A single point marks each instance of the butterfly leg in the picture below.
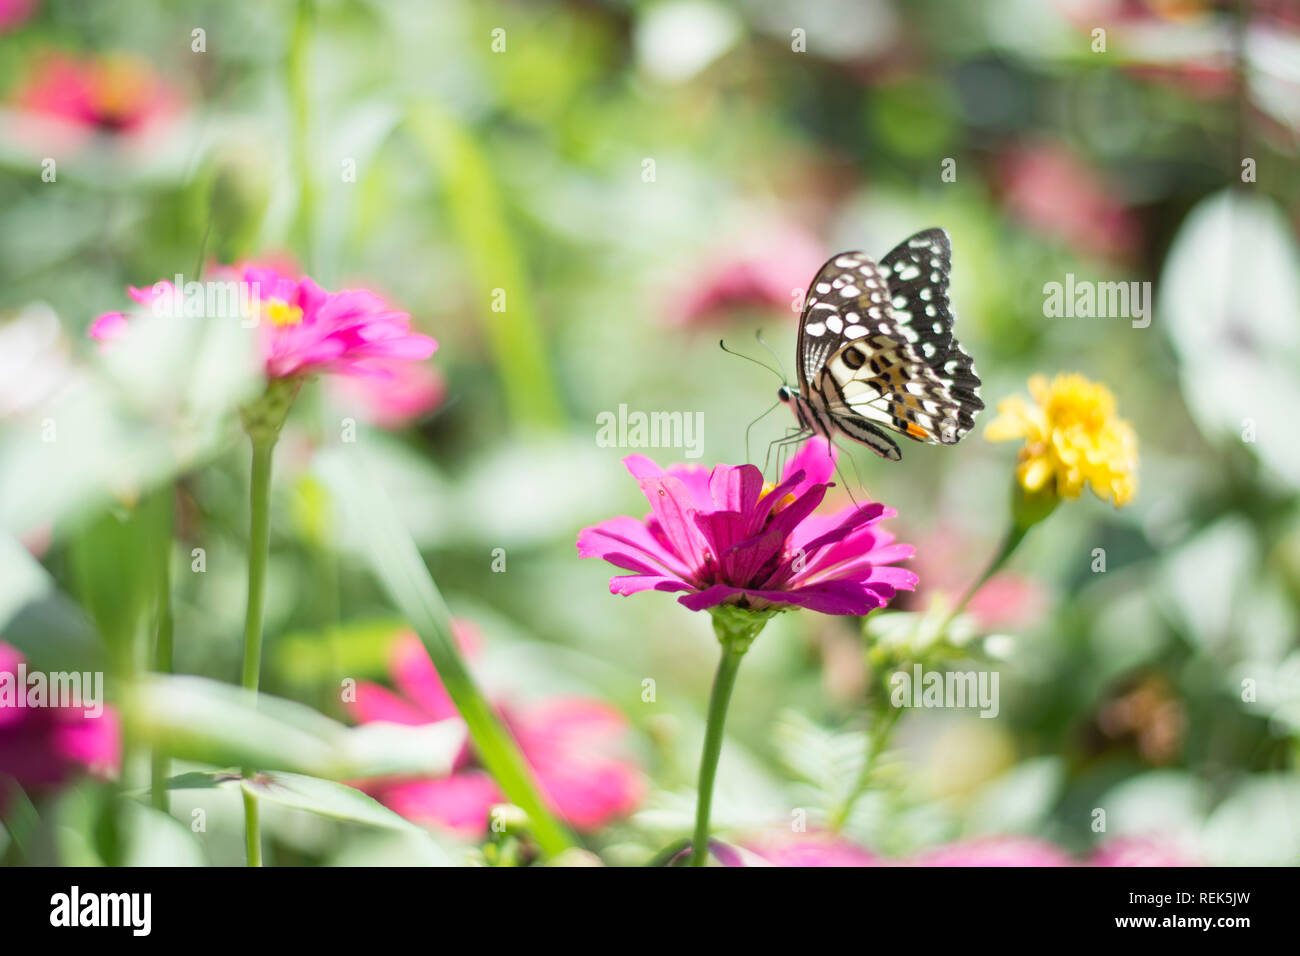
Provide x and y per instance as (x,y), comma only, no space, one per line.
(849,488)
(782,446)
(751,428)
(789,433)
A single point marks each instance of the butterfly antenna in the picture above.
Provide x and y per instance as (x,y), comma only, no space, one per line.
(755,422)
(748,358)
(763,342)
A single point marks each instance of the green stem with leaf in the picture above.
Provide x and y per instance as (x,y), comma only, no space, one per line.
(877,739)
(1027,509)
(263,420)
(298,78)
(163,663)
(397,564)
(259,547)
(736,630)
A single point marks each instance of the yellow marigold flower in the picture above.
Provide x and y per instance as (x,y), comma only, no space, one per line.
(1072,437)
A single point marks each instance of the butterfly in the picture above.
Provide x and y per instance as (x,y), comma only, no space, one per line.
(876,351)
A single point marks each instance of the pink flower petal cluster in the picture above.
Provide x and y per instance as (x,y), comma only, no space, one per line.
(826,849)
(115,94)
(1053,191)
(43,747)
(408,392)
(724,538)
(766,271)
(14,13)
(304,329)
(573,744)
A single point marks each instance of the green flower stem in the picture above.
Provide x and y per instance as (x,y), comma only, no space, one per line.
(476,210)
(252,829)
(159,768)
(259,547)
(299,77)
(397,564)
(263,420)
(1010,542)
(723,682)
(881,730)
(1027,510)
(736,630)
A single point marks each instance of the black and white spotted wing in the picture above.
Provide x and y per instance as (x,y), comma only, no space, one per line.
(866,364)
(918,270)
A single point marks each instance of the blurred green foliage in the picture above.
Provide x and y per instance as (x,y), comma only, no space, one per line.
(524,170)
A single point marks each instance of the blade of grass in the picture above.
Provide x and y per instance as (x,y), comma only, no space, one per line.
(477,213)
(397,564)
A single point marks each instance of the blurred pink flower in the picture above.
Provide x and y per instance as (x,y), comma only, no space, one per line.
(812,849)
(768,271)
(1138,851)
(117,94)
(1049,189)
(109,327)
(725,538)
(948,562)
(1183,44)
(410,391)
(572,743)
(42,747)
(14,13)
(306,330)
(994,851)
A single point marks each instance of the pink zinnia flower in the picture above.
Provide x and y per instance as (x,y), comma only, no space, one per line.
(408,392)
(994,851)
(117,94)
(304,329)
(1007,601)
(1138,851)
(42,747)
(767,271)
(812,849)
(572,743)
(725,538)
(1054,192)
(14,13)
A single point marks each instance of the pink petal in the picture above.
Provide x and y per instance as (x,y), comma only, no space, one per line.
(816,459)
(625,584)
(631,538)
(416,677)
(995,851)
(462,802)
(375,702)
(674,510)
(735,488)
(93,742)
(108,327)
(813,850)
(573,745)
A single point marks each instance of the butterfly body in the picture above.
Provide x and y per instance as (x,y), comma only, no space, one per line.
(876,351)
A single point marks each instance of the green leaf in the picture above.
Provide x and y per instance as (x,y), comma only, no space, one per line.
(398,566)
(325,798)
(1019,800)
(42,622)
(477,214)
(205,721)
(155,838)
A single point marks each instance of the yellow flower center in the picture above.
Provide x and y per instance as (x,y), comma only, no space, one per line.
(785,502)
(119,86)
(281,312)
